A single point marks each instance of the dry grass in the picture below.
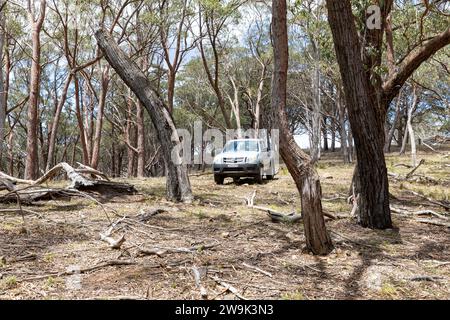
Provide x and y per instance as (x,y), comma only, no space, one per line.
(374,264)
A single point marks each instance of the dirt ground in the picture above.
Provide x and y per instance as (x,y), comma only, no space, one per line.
(230,243)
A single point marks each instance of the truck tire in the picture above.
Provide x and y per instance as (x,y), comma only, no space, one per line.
(218,179)
(272,172)
(259,177)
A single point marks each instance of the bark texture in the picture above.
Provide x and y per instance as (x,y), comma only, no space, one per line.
(298,163)
(366,119)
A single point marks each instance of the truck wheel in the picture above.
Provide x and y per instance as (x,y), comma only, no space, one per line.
(218,179)
(259,177)
(270,176)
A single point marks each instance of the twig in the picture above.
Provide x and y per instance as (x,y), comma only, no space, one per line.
(257,269)
(228,287)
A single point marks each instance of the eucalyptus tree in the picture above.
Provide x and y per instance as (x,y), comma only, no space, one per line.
(369,91)
(299,164)
(36,16)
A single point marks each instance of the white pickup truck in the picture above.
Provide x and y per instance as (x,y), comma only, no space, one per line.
(245,158)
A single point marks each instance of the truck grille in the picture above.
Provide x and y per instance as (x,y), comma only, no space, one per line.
(234,160)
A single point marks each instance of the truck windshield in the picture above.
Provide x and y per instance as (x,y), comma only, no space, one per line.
(234,146)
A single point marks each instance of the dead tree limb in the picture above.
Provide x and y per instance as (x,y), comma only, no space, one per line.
(436,202)
(159,251)
(106,236)
(409,174)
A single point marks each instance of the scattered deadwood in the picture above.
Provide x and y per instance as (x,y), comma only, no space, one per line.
(434,222)
(198,274)
(22,211)
(146,215)
(228,287)
(409,174)
(83,178)
(6,184)
(431,148)
(106,236)
(436,202)
(443,220)
(426,278)
(160,251)
(278,216)
(403,165)
(102,265)
(254,268)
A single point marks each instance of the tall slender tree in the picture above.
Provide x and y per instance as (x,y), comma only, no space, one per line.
(298,163)
(36,20)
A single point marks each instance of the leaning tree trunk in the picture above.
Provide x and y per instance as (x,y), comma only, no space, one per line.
(178,184)
(298,163)
(366,119)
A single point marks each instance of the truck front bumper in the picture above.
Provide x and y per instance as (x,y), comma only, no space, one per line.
(237,170)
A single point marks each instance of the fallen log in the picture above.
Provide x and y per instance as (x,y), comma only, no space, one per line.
(434,222)
(436,202)
(79,182)
(159,251)
(146,215)
(278,216)
(6,184)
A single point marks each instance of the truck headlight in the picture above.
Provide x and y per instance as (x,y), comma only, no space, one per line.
(218,160)
(252,159)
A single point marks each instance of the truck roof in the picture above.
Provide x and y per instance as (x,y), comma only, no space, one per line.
(245,140)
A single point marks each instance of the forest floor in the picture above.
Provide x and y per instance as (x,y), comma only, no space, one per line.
(228,242)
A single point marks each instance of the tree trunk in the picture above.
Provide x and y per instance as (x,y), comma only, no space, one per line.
(32,160)
(80,122)
(343,131)
(316,116)
(177,182)
(140,140)
(130,138)
(325,134)
(412,139)
(99,123)
(170,89)
(297,162)
(11,153)
(404,140)
(390,135)
(366,119)
(55,123)
(2,87)
(333,135)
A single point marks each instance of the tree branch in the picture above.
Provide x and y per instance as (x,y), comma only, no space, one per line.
(412,62)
